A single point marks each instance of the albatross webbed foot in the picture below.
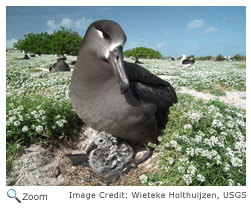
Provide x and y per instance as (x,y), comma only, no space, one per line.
(146,156)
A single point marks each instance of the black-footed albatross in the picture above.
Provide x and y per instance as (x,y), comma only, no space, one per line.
(60,66)
(112,95)
(185,62)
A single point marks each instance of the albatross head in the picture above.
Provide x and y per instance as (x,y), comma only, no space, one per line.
(107,39)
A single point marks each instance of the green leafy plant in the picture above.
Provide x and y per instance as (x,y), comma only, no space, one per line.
(204,143)
(142,52)
(63,41)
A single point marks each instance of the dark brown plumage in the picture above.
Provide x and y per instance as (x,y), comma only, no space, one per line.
(120,98)
(60,66)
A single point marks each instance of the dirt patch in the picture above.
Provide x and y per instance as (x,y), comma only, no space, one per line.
(237,99)
(48,165)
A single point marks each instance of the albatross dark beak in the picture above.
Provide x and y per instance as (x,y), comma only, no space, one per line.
(117,64)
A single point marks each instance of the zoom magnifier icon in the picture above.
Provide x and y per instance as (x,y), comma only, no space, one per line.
(11,193)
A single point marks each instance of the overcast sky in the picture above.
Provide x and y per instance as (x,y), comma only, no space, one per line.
(173,31)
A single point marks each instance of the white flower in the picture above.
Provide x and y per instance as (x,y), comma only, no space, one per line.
(170,160)
(184,159)
(198,138)
(181,169)
(240,136)
(167,144)
(57,117)
(201,178)
(173,143)
(20,117)
(187,178)
(229,152)
(39,128)
(194,116)
(241,123)
(13,118)
(143,178)
(218,159)
(60,123)
(236,162)
(20,107)
(37,116)
(190,151)
(240,115)
(198,150)
(25,129)
(33,112)
(167,169)
(217,123)
(214,140)
(227,167)
(213,132)
(41,112)
(17,123)
(230,182)
(240,146)
(229,117)
(230,124)
(191,170)
(159,139)
(178,149)
(188,127)
(15,111)
(218,115)
(212,109)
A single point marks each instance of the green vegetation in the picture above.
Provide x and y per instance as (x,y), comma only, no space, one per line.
(142,52)
(191,57)
(217,92)
(220,58)
(63,41)
(37,105)
(239,57)
(206,76)
(204,143)
(206,58)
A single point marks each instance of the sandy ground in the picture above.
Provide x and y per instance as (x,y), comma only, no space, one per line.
(47,165)
(237,99)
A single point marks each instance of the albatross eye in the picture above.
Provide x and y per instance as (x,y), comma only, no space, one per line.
(103,34)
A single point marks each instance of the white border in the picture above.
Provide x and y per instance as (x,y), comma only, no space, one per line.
(59,195)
